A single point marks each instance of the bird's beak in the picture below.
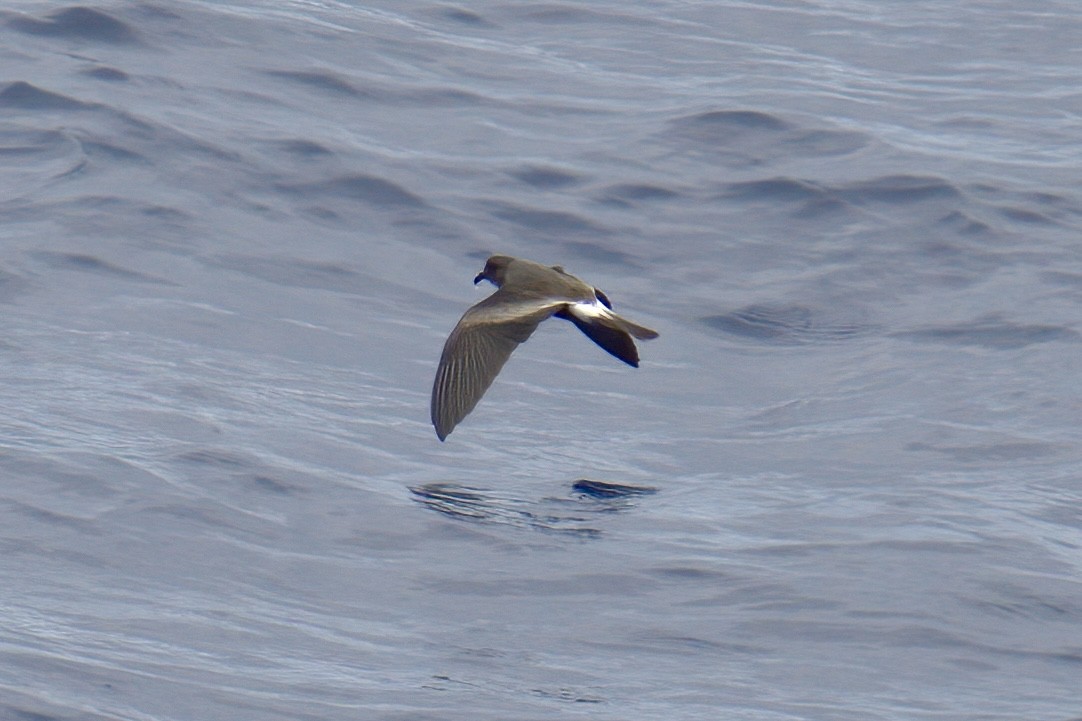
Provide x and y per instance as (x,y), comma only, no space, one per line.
(480,276)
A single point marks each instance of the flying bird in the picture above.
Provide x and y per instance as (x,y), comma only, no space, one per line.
(526,294)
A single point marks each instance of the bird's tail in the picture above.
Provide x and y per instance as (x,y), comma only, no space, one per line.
(639,331)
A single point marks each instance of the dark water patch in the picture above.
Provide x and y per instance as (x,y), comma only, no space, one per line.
(24,96)
(818,549)
(1026,215)
(93,215)
(157,139)
(630,194)
(295,272)
(721,123)
(558,14)
(276,486)
(590,585)
(570,695)
(13,713)
(111,75)
(785,325)
(55,519)
(217,458)
(86,263)
(899,189)
(462,16)
(601,253)
(736,138)
(185,518)
(156,11)
(822,208)
(774,190)
(304,148)
(17,144)
(113,153)
(683,645)
(605,490)
(963,224)
(545,178)
(463,503)
(1010,601)
(826,143)
(811,200)
(951,257)
(22,714)
(329,83)
(987,190)
(991,452)
(365,188)
(691,574)
(165,213)
(140,128)
(320,80)
(923,636)
(454,97)
(967,122)
(1061,515)
(78,23)
(12,286)
(752,137)
(991,332)
(323,214)
(1052,199)
(483,255)
(1064,278)
(552,222)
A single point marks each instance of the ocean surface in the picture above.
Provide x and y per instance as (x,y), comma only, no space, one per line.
(845,483)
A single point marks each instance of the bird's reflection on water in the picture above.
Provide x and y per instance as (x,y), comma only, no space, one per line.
(573,515)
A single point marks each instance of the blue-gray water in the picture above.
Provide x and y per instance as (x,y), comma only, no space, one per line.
(233,236)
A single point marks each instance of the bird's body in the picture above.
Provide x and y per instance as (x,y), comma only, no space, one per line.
(527,293)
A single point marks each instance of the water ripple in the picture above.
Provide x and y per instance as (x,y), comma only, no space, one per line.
(992,332)
(787,325)
(78,23)
(575,515)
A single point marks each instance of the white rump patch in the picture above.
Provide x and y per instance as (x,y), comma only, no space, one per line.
(589,311)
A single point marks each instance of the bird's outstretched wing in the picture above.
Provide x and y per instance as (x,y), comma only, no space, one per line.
(476,350)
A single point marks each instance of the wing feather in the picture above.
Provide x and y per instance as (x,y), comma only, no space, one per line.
(475,352)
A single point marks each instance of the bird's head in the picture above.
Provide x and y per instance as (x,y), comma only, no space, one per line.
(495,270)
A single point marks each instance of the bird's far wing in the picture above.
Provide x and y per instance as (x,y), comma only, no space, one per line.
(475,352)
(603,298)
(609,330)
(603,332)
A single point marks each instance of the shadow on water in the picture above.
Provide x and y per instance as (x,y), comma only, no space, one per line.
(572,515)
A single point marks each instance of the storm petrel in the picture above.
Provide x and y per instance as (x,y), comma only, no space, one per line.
(527,293)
